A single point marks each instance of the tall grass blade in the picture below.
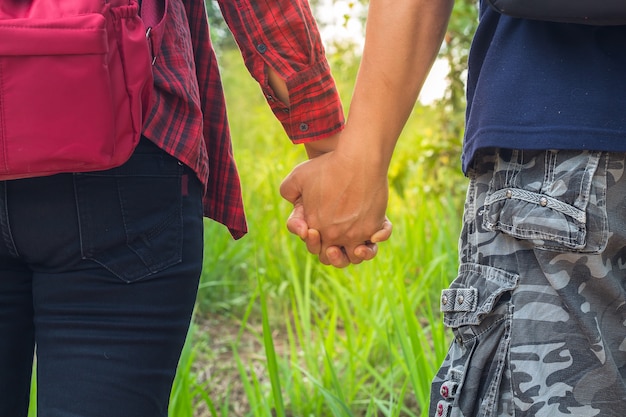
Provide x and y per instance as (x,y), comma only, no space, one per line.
(270,353)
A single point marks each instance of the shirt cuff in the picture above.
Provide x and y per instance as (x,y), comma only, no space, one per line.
(315,109)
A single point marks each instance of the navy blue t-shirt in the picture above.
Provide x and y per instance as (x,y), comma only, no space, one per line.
(542,85)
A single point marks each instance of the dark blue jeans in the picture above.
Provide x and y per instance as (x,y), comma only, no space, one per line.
(99,271)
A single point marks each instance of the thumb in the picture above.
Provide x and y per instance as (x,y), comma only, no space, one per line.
(384,233)
(290,188)
(296,223)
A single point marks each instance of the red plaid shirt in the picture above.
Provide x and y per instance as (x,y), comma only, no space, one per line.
(189,120)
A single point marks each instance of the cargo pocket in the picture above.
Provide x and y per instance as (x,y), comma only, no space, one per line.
(555,199)
(478,309)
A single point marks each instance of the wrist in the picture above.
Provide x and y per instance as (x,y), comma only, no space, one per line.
(321,146)
(366,152)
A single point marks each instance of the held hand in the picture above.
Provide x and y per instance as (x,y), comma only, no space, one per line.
(344,201)
(335,255)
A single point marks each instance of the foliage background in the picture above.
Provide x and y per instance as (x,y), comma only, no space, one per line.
(308,340)
(277,334)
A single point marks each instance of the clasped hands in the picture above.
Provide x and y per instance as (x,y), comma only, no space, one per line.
(339,207)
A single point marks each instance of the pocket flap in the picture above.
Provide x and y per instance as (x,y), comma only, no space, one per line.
(474,293)
(74,35)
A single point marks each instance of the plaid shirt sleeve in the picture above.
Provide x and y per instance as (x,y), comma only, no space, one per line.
(283,35)
(188,118)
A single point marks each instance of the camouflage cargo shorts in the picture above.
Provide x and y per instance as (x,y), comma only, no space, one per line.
(538,308)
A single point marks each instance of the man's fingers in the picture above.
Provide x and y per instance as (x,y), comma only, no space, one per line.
(384,233)
(336,257)
(369,250)
(366,252)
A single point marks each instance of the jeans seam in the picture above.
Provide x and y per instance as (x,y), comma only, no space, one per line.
(7,236)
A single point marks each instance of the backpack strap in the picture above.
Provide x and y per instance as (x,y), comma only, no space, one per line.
(153,13)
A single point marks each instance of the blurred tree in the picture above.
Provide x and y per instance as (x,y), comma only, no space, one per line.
(439,150)
(220,35)
(455,51)
(447,138)
(446,141)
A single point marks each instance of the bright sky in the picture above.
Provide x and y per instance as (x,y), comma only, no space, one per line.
(332,15)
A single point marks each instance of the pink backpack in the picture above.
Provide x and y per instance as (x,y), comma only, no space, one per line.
(75,83)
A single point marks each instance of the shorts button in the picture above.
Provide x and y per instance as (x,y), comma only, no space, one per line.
(443,409)
(448,390)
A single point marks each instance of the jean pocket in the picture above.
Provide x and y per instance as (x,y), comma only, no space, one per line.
(131,217)
(555,199)
(478,308)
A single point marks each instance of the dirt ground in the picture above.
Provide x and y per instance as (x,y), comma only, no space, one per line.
(216,367)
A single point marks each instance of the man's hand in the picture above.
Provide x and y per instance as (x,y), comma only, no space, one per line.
(340,197)
(339,207)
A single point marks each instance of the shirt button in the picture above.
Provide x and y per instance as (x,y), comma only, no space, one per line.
(444,300)
(304,127)
(509,193)
(460,299)
(261,48)
(543,201)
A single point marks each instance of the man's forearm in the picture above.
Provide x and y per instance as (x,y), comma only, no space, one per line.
(403,38)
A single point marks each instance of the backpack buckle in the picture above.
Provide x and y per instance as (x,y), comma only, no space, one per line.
(151,44)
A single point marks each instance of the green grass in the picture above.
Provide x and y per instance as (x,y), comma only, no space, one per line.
(362,341)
